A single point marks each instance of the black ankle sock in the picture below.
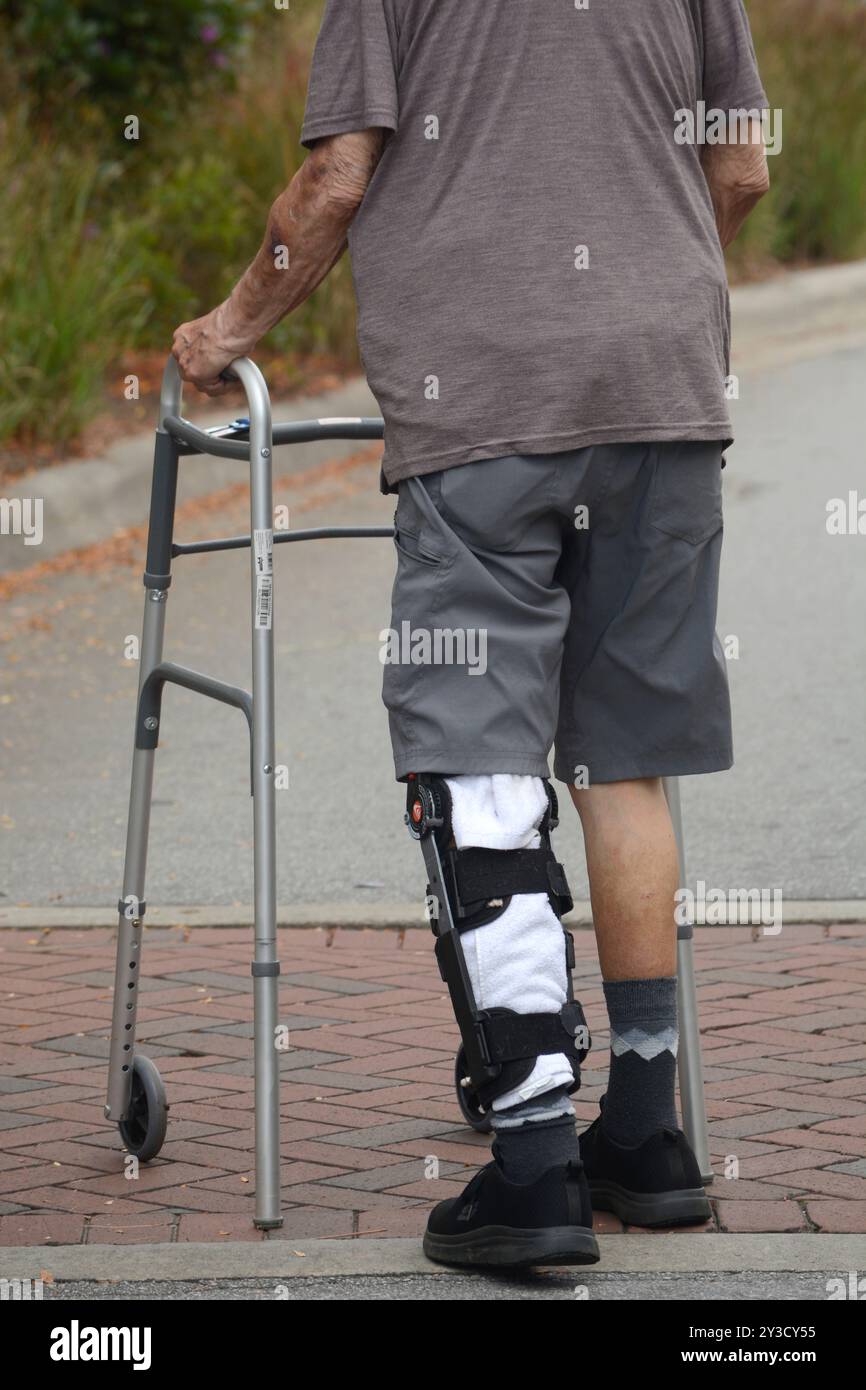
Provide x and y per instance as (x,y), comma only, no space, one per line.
(641,1091)
(531,1147)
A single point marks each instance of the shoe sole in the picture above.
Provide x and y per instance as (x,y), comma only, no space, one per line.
(686,1206)
(509,1247)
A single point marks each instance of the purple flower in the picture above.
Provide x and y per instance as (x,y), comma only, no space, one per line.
(219,60)
(209,33)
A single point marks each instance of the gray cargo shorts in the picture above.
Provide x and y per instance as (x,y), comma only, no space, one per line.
(567,597)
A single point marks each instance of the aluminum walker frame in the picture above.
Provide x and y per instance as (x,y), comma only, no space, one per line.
(136,1098)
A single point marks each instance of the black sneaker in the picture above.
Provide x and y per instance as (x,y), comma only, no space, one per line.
(656,1183)
(514,1225)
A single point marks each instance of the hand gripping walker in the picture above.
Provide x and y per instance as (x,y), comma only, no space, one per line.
(136,1098)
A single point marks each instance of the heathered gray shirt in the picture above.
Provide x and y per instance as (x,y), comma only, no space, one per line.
(536,259)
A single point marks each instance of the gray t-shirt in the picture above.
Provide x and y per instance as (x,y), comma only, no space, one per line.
(536,259)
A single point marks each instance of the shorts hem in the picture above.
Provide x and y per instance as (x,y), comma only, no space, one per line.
(457,762)
(674,762)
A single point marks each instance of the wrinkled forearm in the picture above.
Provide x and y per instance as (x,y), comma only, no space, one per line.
(305,236)
(738,178)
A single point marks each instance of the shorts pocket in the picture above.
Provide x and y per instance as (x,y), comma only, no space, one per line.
(687,497)
(417,525)
(413,548)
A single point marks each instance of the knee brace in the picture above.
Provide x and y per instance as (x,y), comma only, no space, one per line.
(472,888)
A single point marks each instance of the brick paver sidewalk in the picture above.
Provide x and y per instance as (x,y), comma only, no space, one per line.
(367,1101)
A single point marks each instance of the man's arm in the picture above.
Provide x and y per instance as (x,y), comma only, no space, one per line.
(738,178)
(311,220)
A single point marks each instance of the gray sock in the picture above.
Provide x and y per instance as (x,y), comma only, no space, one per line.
(536,1135)
(643,1056)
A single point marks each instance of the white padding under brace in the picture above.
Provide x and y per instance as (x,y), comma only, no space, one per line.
(518,961)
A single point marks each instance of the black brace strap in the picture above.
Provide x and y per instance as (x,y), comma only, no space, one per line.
(475,876)
(514,1041)
(512,1036)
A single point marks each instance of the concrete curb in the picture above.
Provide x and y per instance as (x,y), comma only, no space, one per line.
(282,1259)
(354,915)
(795,315)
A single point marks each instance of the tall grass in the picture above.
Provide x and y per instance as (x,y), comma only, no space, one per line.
(813,61)
(69,288)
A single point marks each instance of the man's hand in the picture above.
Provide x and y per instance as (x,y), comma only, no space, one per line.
(204,348)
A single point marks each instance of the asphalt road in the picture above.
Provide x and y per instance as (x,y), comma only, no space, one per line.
(789,815)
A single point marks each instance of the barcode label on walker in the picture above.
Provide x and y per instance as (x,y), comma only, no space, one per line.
(264,600)
(263,544)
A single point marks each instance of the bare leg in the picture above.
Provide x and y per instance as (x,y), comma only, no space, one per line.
(633,873)
(631,858)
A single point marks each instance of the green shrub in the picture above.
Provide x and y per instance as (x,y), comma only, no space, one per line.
(121,55)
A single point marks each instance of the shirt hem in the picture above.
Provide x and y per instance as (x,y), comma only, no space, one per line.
(555,443)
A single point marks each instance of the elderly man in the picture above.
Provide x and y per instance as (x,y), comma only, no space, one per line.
(544,320)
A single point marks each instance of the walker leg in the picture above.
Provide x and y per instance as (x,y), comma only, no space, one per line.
(690,1065)
(265,968)
(131,906)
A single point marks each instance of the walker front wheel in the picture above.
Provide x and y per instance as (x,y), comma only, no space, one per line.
(143,1129)
(467,1097)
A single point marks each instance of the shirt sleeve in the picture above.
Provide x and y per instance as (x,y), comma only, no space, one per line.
(353,82)
(731,77)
